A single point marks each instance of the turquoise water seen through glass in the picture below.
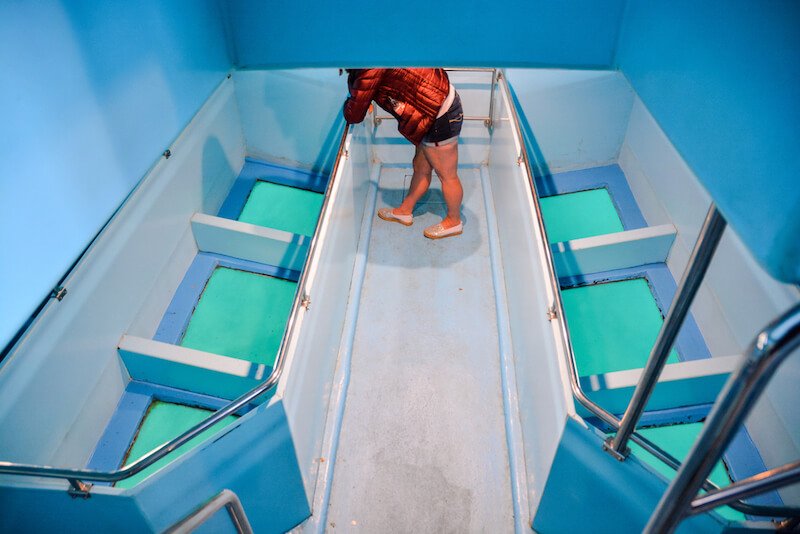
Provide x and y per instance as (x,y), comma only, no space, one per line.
(283,208)
(613,325)
(677,440)
(163,422)
(242,315)
(582,214)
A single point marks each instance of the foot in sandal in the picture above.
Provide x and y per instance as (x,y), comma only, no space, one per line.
(439,230)
(388,214)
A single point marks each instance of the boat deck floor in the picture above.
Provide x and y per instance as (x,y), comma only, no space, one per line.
(422,445)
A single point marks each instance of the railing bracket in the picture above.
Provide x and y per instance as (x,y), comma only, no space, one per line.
(608,446)
(552,313)
(306,301)
(59,293)
(79,489)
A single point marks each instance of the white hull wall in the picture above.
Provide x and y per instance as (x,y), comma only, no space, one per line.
(292,117)
(579,117)
(307,380)
(542,386)
(60,386)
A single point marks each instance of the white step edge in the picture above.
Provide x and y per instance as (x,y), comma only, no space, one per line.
(249,241)
(681,384)
(189,369)
(608,252)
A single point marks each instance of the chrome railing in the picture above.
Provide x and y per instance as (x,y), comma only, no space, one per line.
(707,242)
(754,485)
(767,352)
(486,120)
(225,499)
(76,477)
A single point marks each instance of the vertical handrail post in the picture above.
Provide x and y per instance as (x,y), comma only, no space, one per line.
(707,242)
(490,121)
(743,388)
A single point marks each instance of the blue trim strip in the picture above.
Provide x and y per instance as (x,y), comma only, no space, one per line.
(121,430)
(744,460)
(237,197)
(611,177)
(176,319)
(255,170)
(669,416)
(690,343)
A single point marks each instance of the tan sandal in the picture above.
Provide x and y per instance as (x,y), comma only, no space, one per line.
(437,231)
(387,215)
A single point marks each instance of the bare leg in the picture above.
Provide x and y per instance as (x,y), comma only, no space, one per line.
(444,160)
(420,182)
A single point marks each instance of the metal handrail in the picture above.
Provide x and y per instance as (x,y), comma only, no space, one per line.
(767,352)
(225,499)
(77,476)
(557,308)
(741,489)
(486,120)
(707,241)
(557,313)
(710,487)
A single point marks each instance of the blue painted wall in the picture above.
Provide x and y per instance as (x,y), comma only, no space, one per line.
(92,93)
(417,32)
(722,80)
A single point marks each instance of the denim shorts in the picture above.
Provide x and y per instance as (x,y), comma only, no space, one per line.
(446,128)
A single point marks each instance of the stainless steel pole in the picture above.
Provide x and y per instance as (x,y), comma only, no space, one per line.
(770,348)
(741,489)
(707,242)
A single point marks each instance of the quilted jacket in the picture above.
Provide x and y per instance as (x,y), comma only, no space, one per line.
(412,96)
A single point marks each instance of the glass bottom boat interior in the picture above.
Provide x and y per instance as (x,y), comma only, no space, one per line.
(365,378)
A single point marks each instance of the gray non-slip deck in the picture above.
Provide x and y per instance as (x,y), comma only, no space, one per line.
(422,446)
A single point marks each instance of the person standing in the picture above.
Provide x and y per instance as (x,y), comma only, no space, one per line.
(429,114)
